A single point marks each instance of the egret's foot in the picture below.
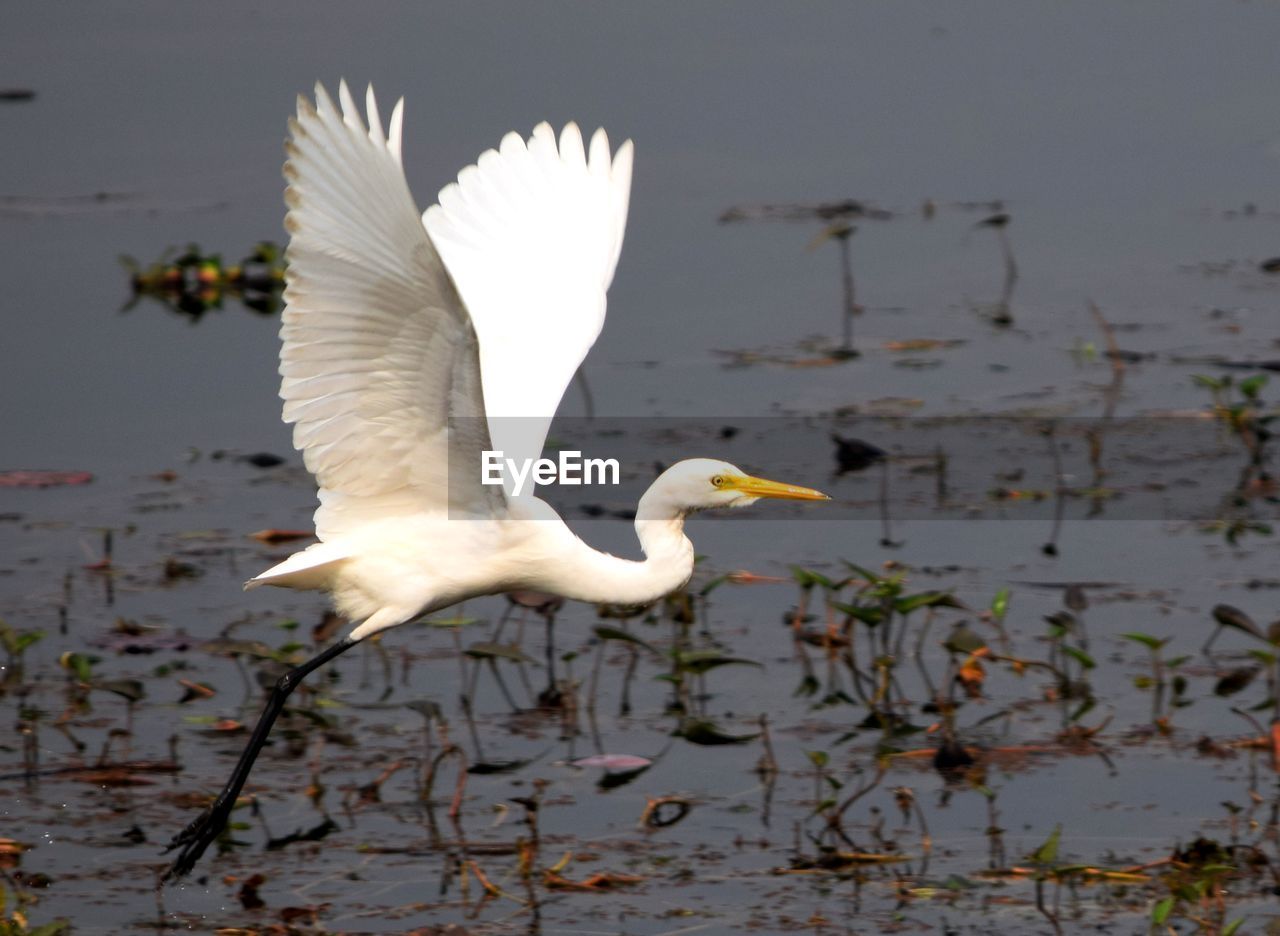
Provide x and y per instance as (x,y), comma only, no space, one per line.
(204,831)
(196,837)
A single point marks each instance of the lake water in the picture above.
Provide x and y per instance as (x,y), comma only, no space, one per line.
(1136,151)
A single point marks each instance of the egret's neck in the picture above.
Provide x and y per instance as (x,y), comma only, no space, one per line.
(667,551)
(667,564)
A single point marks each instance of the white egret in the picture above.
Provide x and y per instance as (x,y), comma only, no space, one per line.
(411,345)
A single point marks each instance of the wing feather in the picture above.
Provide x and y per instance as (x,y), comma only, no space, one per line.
(379,365)
(531,235)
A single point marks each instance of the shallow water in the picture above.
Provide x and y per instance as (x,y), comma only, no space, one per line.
(1140,173)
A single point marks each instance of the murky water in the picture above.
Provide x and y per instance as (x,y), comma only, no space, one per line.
(1134,149)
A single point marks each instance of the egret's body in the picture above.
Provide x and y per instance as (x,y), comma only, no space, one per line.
(413,344)
(399,569)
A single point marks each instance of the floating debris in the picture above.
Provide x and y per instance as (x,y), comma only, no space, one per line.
(273,536)
(263,460)
(854,455)
(613,761)
(43,479)
(821,211)
(194,282)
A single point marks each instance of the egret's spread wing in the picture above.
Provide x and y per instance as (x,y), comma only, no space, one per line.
(531,235)
(379,353)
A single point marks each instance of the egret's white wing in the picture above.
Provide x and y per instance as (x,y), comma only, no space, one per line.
(531,235)
(379,353)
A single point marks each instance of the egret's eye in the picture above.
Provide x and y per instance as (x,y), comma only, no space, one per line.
(718,481)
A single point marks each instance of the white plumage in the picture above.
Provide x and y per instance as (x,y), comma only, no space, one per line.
(411,345)
(531,235)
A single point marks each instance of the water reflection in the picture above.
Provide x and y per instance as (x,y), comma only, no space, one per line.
(1002,312)
(838,215)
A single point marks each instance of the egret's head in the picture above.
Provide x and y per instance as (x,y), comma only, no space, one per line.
(700,483)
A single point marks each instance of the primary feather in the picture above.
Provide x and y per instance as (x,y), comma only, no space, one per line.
(531,235)
(379,354)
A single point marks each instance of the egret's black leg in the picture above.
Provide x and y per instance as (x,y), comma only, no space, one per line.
(206,827)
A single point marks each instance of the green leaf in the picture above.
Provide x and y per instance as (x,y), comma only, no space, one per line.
(16,641)
(1047,853)
(1000,604)
(1080,657)
(1151,643)
(700,661)
(58,927)
(910,603)
(25,639)
(604,632)
(1160,912)
(859,570)
(1210,383)
(994,716)
(1252,386)
(1065,871)
(1234,618)
(701,731)
(80,664)
(807,578)
(712,585)
(488,768)
(809,685)
(1084,709)
(456,620)
(963,640)
(1235,680)
(818,758)
(491,651)
(131,690)
(869,615)
(1060,623)
(1232,926)
(1217,868)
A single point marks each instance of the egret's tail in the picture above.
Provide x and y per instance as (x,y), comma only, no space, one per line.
(313,568)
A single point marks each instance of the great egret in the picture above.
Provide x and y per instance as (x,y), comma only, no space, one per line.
(395,385)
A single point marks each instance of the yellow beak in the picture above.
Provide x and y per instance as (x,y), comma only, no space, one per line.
(759,487)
